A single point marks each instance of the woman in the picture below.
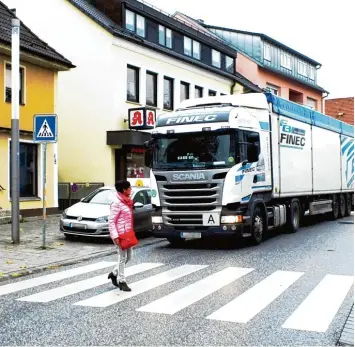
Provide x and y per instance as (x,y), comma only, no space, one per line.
(121,220)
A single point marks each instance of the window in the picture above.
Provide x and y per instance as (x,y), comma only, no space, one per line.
(229,64)
(132,84)
(165,37)
(168,93)
(192,48)
(187,46)
(196,50)
(198,92)
(151,90)
(184,91)
(135,23)
(311,103)
(212,93)
(302,68)
(135,163)
(101,197)
(216,58)
(8,85)
(286,61)
(272,89)
(28,169)
(311,73)
(140,197)
(267,52)
(245,139)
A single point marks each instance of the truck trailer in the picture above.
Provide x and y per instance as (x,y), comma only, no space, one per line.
(241,165)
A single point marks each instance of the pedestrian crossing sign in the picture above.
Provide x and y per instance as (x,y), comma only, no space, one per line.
(45,128)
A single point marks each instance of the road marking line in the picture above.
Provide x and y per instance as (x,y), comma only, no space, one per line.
(115,296)
(186,296)
(247,305)
(319,308)
(54,277)
(77,287)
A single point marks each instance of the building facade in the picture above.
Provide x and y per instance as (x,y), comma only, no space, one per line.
(39,67)
(270,64)
(341,108)
(128,55)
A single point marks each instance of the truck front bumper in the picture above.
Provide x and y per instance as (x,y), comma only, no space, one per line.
(163,231)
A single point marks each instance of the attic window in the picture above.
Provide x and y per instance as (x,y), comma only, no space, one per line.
(135,23)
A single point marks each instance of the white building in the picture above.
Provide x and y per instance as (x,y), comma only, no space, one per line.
(127,55)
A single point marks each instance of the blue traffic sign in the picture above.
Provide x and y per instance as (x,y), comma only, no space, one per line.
(45,128)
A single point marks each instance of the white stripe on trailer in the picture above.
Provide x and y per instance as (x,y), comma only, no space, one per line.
(247,305)
(186,296)
(320,307)
(80,286)
(54,277)
(115,296)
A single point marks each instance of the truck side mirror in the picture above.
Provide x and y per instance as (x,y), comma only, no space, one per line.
(253,153)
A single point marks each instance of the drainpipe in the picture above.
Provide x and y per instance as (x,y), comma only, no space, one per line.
(323,102)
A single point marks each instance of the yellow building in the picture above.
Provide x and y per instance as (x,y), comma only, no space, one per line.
(39,66)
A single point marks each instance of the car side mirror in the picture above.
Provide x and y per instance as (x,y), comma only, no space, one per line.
(138,205)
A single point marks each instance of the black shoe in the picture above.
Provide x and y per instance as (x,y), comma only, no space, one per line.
(113,279)
(123,286)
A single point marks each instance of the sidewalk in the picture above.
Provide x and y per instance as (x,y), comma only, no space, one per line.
(29,257)
(347,335)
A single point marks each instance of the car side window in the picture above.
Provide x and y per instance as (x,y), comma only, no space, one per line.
(149,196)
(140,197)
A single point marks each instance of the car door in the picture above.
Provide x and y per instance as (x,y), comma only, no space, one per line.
(139,212)
(148,209)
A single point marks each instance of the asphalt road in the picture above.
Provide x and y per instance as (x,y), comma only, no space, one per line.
(290,290)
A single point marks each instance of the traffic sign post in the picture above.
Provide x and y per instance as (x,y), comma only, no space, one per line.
(44,131)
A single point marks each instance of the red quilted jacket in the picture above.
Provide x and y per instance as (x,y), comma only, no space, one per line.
(121,217)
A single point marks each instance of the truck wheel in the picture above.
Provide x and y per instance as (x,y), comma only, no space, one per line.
(348,203)
(257,227)
(335,211)
(342,206)
(294,216)
(176,241)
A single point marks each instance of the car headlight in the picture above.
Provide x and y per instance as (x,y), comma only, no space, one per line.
(102,219)
(157,220)
(231,219)
(64,214)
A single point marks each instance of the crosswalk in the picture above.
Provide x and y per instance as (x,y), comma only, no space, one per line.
(315,313)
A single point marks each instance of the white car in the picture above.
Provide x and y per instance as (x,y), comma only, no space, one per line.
(89,217)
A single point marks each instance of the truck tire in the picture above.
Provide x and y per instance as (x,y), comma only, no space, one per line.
(257,227)
(348,203)
(342,206)
(294,216)
(335,211)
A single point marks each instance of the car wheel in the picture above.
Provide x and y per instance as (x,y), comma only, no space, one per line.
(348,202)
(294,216)
(335,205)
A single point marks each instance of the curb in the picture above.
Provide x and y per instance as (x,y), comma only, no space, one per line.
(67,262)
(347,334)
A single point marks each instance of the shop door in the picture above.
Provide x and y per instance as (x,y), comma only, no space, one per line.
(120,164)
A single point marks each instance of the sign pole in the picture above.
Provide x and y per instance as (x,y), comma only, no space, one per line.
(15,131)
(44,195)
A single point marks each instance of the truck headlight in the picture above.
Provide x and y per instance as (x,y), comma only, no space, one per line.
(157,220)
(231,219)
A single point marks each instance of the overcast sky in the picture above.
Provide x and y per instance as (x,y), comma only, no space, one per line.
(319,29)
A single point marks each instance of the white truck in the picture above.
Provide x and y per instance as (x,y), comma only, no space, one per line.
(240,165)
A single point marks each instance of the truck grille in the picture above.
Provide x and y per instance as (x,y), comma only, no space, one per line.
(183,204)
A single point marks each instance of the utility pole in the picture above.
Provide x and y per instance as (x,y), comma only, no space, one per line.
(15,130)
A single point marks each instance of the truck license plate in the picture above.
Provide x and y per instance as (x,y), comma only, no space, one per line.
(191,235)
(211,219)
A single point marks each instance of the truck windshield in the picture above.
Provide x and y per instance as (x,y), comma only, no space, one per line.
(194,150)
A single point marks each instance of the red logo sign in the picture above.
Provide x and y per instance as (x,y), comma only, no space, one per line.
(137,119)
(150,118)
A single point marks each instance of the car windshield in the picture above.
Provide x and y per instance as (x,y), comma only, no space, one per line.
(194,150)
(101,197)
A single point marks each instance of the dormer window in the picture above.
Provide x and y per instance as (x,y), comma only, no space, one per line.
(192,48)
(135,23)
(216,58)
